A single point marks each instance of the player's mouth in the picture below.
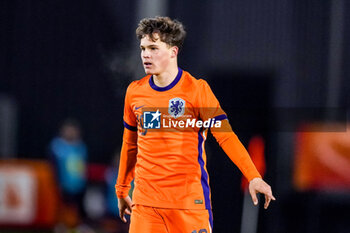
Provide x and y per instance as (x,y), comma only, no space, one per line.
(147,65)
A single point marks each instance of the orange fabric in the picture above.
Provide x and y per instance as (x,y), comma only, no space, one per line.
(126,171)
(170,171)
(230,143)
(158,220)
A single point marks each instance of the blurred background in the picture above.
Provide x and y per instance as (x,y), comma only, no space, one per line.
(278,68)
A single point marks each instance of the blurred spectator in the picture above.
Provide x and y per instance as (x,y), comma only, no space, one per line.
(68,154)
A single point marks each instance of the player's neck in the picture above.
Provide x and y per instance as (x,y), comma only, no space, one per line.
(165,78)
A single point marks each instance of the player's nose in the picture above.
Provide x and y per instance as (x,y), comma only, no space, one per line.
(145,54)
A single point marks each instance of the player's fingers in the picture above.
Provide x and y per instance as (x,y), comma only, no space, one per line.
(267,201)
(269,194)
(121,214)
(254,197)
(128,211)
(273,198)
(268,198)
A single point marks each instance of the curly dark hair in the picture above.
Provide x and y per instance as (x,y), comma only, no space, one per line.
(172,32)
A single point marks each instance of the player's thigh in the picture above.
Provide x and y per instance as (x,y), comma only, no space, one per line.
(187,221)
(145,220)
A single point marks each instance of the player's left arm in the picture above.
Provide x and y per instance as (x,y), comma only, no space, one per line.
(234,149)
(229,142)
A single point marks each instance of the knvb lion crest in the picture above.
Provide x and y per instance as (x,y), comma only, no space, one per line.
(176,107)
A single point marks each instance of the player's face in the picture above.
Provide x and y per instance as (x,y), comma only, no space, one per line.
(156,55)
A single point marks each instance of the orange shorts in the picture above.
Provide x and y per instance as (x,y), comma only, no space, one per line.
(159,220)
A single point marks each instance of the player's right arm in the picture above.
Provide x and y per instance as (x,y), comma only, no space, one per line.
(127,159)
(126,172)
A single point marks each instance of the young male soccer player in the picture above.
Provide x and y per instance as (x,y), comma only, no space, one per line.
(172,192)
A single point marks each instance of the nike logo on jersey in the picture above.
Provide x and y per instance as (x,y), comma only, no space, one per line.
(139,107)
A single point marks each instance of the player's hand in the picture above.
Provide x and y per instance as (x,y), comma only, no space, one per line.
(124,204)
(258,185)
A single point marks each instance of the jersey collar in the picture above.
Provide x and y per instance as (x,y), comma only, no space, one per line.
(171,85)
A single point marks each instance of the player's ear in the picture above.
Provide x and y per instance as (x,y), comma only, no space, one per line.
(174,51)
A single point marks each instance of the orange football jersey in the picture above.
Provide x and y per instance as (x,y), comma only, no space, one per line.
(163,146)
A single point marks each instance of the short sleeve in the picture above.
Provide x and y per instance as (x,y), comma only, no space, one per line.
(129,115)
